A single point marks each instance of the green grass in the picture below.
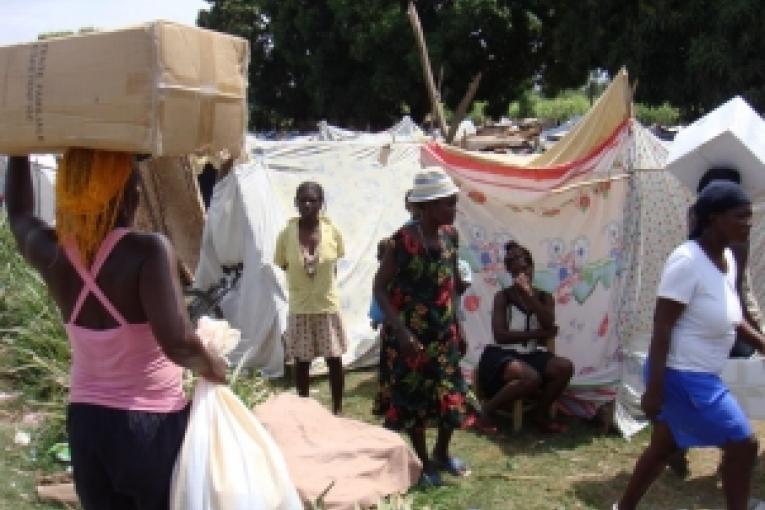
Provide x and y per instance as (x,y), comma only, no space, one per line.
(577,470)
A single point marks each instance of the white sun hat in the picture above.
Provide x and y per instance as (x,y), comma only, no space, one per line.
(432,183)
(730,136)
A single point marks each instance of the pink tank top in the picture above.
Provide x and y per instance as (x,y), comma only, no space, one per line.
(121,367)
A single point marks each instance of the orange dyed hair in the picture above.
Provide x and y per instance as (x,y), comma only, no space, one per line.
(89,187)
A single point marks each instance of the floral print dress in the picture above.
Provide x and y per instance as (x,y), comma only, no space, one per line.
(428,387)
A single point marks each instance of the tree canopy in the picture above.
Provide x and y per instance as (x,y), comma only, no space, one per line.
(356,64)
(693,54)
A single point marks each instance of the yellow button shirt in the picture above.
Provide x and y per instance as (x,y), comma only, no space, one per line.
(317,294)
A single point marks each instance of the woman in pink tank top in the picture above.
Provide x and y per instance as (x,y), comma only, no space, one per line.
(130,337)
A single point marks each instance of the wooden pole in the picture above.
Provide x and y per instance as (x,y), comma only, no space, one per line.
(462,108)
(430,83)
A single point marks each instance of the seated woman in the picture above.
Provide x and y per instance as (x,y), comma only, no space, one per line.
(518,365)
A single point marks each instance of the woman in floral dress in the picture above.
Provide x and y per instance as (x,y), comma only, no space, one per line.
(416,290)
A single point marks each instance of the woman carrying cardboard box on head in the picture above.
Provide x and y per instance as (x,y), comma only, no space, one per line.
(130,336)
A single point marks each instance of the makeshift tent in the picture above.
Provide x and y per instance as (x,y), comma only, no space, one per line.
(404,130)
(597,211)
(364,185)
(568,207)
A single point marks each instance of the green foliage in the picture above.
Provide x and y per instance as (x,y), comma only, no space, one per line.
(694,55)
(525,106)
(251,388)
(563,107)
(356,63)
(35,351)
(663,114)
(559,108)
(477,113)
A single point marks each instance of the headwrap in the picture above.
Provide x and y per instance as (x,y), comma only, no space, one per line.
(718,174)
(717,197)
(89,187)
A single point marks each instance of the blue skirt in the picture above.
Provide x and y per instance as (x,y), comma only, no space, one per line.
(700,410)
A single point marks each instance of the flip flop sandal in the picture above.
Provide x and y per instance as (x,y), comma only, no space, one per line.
(430,480)
(480,425)
(452,465)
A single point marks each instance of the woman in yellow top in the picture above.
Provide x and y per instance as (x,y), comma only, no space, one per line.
(308,249)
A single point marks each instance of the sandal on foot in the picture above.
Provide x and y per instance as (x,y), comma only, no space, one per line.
(480,424)
(430,480)
(452,465)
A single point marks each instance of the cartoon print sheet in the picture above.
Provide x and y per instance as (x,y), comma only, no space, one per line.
(575,235)
(576,240)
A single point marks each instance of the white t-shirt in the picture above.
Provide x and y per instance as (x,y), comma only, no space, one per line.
(706,330)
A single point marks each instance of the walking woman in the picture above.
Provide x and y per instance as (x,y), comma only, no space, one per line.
(308,249)
(415,287)
(130,336)
(697,316)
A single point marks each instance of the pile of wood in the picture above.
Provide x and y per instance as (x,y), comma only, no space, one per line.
(520,138)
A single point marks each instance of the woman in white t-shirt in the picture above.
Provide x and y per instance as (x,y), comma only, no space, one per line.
(697,316)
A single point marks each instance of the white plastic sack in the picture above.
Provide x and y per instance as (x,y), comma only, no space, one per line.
(228,461)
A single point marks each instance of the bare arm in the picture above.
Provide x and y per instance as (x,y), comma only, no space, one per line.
(501,329)
(34,238)
(383,278)
(542,306)
(664,318)
(163,304)
(751,335)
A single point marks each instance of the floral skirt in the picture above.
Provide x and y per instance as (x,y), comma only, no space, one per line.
(427,389)
(315,335)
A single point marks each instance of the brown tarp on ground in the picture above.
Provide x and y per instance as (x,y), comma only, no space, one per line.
(364,461)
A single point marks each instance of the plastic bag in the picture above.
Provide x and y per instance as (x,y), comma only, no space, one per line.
(218,335)
(228,461)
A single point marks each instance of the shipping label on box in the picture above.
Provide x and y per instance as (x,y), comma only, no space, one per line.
(162,89)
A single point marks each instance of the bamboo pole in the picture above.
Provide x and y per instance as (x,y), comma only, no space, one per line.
(462,108)
(430,83)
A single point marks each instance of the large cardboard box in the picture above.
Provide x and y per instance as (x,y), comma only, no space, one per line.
(163,89)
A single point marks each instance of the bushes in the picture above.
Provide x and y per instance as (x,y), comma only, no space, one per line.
(665,114)
(574,102)
(559,108)
(34,352)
